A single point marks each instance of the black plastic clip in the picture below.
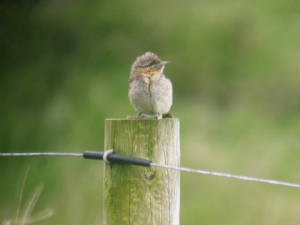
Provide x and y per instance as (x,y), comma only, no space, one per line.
(117,158)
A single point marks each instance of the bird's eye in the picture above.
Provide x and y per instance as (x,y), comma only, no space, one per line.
(151,63)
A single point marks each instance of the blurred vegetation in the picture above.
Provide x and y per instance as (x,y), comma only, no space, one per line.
(235,66)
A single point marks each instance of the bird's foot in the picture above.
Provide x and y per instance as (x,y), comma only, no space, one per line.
(141,115)
(158,116)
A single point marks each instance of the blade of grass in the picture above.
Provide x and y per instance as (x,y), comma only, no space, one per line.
(31,204)
(21,192)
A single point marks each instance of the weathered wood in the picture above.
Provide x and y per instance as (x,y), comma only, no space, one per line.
(136,195)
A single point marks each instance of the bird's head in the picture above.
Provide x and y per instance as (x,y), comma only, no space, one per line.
(148,65)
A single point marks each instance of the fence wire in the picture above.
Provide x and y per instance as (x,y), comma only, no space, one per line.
(157,165)
(226,175)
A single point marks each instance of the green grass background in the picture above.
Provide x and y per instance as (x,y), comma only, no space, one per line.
(235,70)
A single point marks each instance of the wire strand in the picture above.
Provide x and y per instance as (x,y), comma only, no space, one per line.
(29,154)
(226,175)
(157,165)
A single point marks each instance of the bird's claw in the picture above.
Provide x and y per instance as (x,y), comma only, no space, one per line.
(157,116)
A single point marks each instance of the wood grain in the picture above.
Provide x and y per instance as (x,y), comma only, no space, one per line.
(141,196)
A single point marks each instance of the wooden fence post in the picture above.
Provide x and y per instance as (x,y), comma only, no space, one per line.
(136,195)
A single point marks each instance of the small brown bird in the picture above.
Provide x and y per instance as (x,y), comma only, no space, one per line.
(150,92)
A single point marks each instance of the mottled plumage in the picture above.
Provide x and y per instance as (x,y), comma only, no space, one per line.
(150,92)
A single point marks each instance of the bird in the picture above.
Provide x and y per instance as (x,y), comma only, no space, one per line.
(150,91)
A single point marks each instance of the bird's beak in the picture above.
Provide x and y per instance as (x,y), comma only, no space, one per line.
(164,63)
